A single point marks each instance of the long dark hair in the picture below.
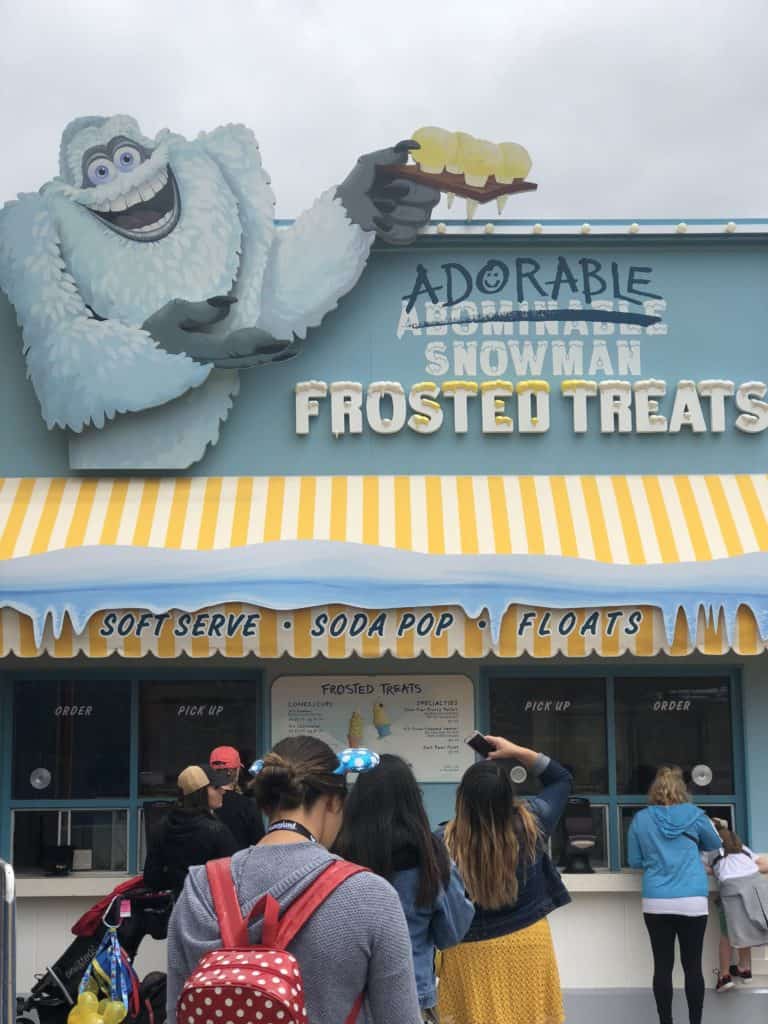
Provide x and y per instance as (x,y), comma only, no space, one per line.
(492,834)
(296,773)
(384,814)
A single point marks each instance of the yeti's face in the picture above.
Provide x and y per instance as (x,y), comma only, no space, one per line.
(123,179)
(145,210)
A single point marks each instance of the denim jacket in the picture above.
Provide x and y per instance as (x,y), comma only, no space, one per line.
(541,889)
(430,928)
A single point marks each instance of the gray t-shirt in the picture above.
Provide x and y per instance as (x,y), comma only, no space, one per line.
(356,941)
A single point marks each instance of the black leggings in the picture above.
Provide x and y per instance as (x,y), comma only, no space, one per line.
(663,929)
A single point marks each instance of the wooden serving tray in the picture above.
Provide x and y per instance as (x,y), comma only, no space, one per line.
(455,183)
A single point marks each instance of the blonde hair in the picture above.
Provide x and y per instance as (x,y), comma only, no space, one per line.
(490,835)
(668,787)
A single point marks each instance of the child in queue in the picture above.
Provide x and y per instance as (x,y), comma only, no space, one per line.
(743,904)
(386,829)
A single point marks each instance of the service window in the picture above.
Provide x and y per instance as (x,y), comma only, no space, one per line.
(683,720)
(71,740)
(626,814)
(180,723)
(86,840)
(565,718)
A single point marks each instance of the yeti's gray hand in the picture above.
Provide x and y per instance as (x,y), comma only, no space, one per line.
(252,347)
(189,327)
(394,208)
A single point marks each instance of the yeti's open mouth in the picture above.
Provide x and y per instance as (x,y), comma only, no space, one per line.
(147,213)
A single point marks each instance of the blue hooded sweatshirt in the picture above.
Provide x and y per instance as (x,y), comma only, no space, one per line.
(666,842)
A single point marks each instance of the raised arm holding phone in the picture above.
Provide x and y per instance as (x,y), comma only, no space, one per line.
(505,972)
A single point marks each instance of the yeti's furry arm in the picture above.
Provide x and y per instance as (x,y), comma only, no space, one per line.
(289,279)
(83,370)
(313,263)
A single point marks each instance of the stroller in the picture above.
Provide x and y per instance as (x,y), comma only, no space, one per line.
(137,911)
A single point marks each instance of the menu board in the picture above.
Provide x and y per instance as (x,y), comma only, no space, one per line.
(424,719)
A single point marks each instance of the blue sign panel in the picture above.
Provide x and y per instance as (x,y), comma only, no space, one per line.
(513,356)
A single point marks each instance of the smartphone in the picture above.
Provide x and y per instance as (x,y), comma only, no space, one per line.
(479,743)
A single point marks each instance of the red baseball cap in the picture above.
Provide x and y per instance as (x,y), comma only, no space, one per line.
(225,757)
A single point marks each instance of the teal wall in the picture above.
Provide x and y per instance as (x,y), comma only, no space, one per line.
(716,294)
(755,701)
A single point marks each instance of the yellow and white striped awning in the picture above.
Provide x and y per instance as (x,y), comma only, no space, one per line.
(614,519)
(623,520)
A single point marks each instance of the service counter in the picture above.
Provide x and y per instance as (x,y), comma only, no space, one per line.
(600,937)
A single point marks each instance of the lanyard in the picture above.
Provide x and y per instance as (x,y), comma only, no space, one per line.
(285,825)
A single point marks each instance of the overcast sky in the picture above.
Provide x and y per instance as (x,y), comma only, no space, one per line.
(629,109)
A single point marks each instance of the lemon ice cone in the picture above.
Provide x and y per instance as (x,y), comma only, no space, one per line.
(437,148)
(480,159)
(471,208)
(381,720)
(463,142)
(514,163)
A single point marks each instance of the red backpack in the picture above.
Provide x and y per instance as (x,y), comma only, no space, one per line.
(244,984)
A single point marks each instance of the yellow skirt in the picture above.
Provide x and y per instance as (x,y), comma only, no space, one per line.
(509,980)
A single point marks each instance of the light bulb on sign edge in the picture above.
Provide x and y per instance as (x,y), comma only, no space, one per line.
(730,227)
(537,229)
(634,228)
(681,228)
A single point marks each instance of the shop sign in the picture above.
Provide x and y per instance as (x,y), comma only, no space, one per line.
(73,710)
(199,710)
(339,631)
(149,271)
(569,622)
(228,625)
(671,705)
(424,719)
(546,705)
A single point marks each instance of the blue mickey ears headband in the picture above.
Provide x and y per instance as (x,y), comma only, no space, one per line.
(353,759)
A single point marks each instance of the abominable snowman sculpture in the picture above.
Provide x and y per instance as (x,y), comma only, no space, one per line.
(150,272)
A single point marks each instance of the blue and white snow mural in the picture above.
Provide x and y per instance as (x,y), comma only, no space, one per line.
(150,272)
(289,575)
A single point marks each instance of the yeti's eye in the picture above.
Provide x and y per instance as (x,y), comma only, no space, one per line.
(126,158)
(100,171)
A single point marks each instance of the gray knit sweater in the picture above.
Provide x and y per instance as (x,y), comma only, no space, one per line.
(356,941)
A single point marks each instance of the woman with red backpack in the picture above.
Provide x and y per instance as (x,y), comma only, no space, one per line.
(351,951)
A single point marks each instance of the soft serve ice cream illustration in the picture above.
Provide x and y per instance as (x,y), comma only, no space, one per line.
(355,730)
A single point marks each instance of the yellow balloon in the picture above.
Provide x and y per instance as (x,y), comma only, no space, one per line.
(115,1012)
(73,1017)
(87,999)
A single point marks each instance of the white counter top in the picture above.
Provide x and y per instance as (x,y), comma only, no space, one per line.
(74,886)
(85,884)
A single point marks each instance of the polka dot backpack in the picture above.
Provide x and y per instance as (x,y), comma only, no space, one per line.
(244,984)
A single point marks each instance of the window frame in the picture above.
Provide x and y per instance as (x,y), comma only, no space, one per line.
(613,799)
(186,672)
